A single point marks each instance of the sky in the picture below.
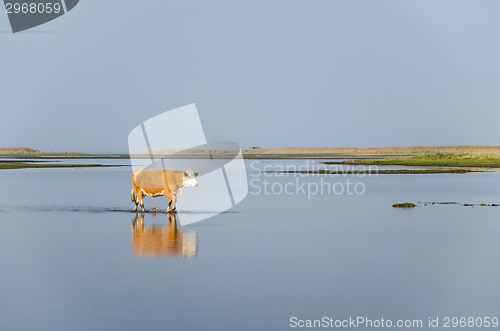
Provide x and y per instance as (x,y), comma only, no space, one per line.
(322,73)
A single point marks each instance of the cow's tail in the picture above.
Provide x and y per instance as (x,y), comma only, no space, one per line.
(132,195)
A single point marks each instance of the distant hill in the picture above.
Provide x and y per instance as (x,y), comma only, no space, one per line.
(292,152)
(325,152)
(18,150)
(409,150)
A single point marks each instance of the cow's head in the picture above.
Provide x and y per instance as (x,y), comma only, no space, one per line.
(189,178)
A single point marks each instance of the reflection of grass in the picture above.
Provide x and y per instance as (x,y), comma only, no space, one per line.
(404,205)
(21,165)
(437,159)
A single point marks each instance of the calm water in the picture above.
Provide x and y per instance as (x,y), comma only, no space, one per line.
(74,257)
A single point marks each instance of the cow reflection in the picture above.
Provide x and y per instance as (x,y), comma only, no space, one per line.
(162,240)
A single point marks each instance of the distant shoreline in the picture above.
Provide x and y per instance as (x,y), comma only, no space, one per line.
(434,156)
(447,159)
(22,165)
(266,153)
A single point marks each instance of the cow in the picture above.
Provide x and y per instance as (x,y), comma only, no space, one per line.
(158,182)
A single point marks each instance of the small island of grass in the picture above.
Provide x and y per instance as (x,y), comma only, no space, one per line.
(404,205)
(434,160)
(379,172)
(22,165)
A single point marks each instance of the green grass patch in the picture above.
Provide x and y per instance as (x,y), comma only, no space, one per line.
(433,203)
(380,172)
(437,160)
(404,205)
(21,165)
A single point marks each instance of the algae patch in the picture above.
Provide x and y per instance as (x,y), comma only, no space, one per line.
(404,205)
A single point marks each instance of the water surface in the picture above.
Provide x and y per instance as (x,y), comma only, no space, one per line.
(75,257)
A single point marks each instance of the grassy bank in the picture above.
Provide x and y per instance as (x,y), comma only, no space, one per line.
(468,156)
(374,151)
(404,205)
(21,165)
(31,152)
(434,160)
(381,172)
(412,205)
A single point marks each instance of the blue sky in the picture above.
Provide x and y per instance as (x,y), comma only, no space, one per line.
(262,73)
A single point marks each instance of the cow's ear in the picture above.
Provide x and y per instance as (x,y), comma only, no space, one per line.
(196,174)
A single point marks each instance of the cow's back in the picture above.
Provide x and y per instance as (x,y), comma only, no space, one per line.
(150,178)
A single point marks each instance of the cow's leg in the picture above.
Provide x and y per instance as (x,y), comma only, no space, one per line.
(140,200)
(171,201)
(134,199)
(171,205)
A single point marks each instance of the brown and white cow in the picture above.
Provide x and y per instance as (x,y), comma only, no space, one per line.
(158,182)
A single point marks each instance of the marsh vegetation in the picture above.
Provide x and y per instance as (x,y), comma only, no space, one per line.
(22,165)
(434,160)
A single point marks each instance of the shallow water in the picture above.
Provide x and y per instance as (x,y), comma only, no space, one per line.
(75,257)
